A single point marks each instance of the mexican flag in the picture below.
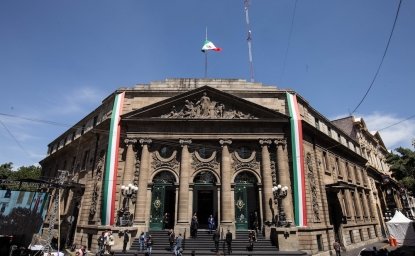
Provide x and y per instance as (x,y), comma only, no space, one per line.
(208,45)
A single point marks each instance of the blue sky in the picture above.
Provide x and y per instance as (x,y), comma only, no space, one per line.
(59,59)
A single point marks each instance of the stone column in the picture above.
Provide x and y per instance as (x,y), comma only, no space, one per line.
(358,204)
(266,180)
(350,204)
(129,162)
(184,204)
(140,206)
(226,202)
(366,205)
(283,175)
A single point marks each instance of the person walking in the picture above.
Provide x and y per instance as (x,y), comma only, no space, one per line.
(228,239)
(211,224)
(110,242)
(336,246)
(101,243)
(172,237)
(149,244)
(178,247)
(125,241)
(216,238)
(251,240)
(142,240)
(193,226)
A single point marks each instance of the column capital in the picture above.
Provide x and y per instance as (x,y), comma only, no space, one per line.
(266,142)
(225,142)
(281,142)
(185,142)
(145,141)
(130,141)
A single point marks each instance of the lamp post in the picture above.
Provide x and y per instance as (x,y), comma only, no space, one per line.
(279,193)
(129,192)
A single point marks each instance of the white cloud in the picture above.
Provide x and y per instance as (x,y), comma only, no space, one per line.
(393,131)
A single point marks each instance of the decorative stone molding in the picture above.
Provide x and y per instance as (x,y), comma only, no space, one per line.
(158,164)
(96,191)
(136,172)
(205,108)
(185,142)
(170,158)
(225,142)
(129,141)
(281,142)
(273,174)
(145,141)
(313,188)
(245,160)
(250,163)
(199,163)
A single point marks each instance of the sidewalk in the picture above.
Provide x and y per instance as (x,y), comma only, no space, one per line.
(398,250)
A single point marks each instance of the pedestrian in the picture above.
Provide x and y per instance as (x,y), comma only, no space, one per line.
(178,247)
(149,244)
(336,246)
(211,224)
(216,238)
(81,251)
(193,226)
(172,236)
(251,240)
(228,239)
(109,242)
(142,240)
(101,243)
(166,219)
(125,241)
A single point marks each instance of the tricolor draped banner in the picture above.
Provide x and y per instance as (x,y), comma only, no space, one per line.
(300,209)
(111,165)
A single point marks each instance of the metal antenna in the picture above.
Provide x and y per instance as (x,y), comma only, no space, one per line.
(249,39)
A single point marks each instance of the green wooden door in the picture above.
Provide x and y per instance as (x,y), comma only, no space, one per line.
(241,207)
(157,207)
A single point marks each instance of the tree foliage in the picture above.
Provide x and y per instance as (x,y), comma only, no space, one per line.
(23,172)
(402,165)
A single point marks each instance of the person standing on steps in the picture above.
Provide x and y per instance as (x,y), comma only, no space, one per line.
(216,238)
(336,246)
(178,247)
(228,239)
(211,224)
(172,236)
(149,244)
(125,241)
(194,226)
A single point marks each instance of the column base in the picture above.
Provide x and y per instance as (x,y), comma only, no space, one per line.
(287,238)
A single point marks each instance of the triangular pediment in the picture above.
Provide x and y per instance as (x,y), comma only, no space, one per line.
(205,103)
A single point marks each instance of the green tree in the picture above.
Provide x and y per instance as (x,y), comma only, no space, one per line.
(402,165)
(6,170)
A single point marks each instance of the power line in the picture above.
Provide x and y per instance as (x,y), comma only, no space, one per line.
(401,121)
(289,42)
(381,62)
(14,138)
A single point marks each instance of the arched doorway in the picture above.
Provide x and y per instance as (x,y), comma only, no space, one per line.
(163,200)
(205,198)
(246,201)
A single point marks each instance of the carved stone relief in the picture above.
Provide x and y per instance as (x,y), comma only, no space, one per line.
(237,164)
(157,164)
(96,188)
(211,163)
(313,188)
(205,108)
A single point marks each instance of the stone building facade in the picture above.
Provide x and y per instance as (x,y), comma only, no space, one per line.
(215,147)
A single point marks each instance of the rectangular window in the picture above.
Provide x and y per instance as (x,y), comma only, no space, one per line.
(362,238)
(356,175)
(83,129)
(329,131)
(95,121)
(336,167)
(320,243)
(317,123)
(20,197)
(325,162)
(84,161)
(349,173)
(73,135)
(369,234)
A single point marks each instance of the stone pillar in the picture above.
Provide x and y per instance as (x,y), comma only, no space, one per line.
(140,206)
(129,166)
(366,206)
(358,204)
(266,180)
(184,204)
(283,175)
(350,204)
(226,171)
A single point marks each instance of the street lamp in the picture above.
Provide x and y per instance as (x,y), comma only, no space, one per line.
(129,192)
(280,192)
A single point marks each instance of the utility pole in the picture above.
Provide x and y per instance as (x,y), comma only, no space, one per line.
(55,212)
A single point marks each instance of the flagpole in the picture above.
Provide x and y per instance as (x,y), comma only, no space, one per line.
(206,58)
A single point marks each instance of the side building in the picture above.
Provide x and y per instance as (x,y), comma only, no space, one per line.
(252,156)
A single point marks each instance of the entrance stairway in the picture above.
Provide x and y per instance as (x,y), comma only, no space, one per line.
(204,245)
